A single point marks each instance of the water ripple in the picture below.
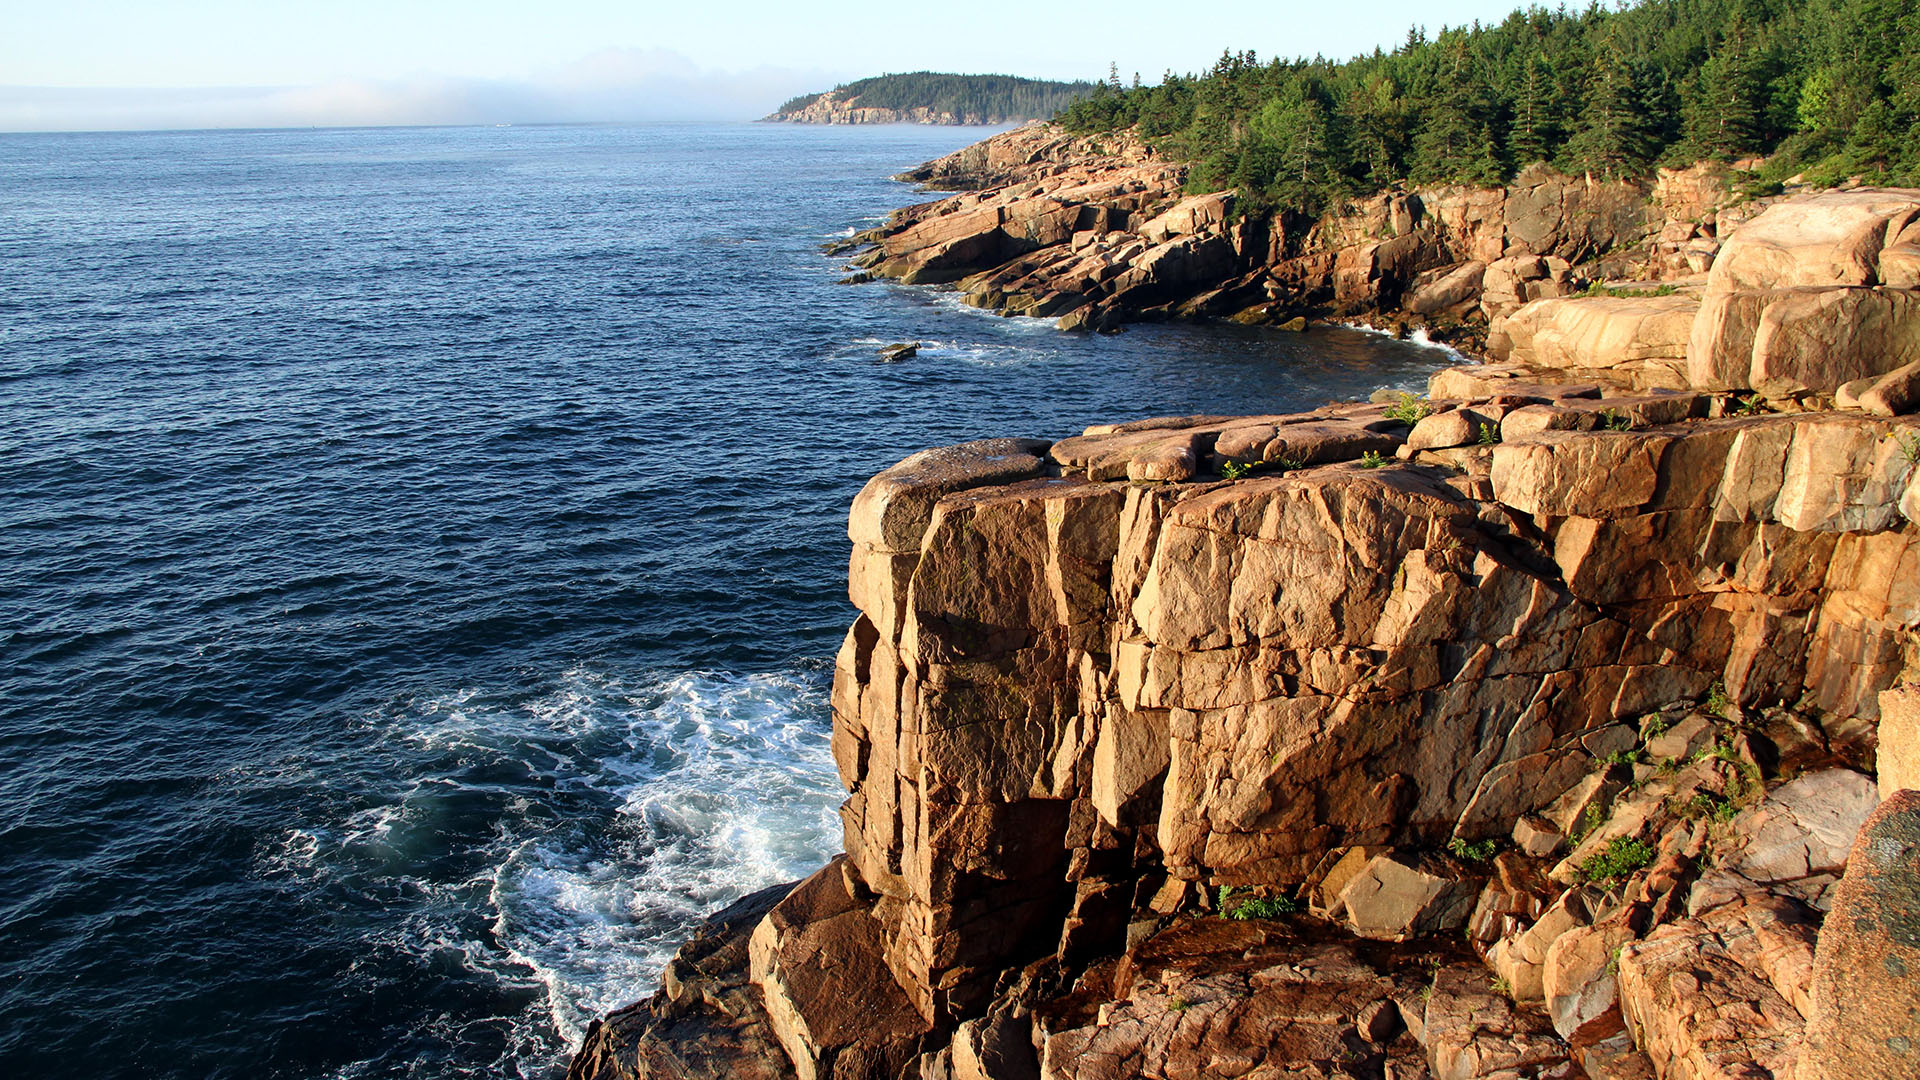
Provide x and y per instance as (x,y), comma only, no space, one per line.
(420,556)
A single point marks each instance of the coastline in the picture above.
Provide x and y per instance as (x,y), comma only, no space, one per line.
(1198,740)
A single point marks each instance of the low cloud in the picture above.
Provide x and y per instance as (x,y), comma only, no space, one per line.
(612,85)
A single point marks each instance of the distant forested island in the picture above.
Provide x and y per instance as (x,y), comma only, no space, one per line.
(928,97)
(1826,89)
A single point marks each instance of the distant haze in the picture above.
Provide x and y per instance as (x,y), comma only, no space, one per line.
(123,64)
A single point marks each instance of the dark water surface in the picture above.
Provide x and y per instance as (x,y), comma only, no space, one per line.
(421,555)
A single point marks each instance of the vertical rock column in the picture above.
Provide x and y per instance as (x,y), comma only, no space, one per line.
(958,705)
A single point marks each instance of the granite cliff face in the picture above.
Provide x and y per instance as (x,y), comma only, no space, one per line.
(1538,728)
(1096,232)
(1100,231)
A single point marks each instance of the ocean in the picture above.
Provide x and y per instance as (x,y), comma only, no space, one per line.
(422,553)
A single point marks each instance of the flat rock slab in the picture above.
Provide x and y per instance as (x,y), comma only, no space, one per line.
(892,510)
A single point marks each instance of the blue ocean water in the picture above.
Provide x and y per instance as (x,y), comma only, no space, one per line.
(422,553)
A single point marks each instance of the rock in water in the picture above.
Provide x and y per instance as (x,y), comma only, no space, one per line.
(905,350)
(1865,1022)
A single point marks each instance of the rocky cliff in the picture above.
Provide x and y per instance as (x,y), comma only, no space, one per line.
(1538,727)
(1095,232)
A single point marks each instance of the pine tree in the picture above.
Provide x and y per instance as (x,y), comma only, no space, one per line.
(1611,139)
(1535,130)
(1455,142)
(1724,115)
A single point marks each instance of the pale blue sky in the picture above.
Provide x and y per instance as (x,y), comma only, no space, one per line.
(221,62)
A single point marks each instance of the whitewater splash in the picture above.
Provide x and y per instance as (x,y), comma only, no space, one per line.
(1416,336)
(559,847)
(978,354)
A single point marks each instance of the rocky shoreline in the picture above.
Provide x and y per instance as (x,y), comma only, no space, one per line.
(1561,722)
(838,107)
(1099,231)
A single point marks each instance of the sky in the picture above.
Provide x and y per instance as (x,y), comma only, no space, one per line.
(116,64)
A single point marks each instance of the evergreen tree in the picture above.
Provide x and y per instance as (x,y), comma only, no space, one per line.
(1535,128)
(1455,142)
(1376,121)
(1611,140)
(1828,87)
(1725,109)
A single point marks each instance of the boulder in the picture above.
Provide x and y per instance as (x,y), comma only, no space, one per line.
(1805,827)
(1536,836)
(831,999)
(1716,996)
(1896,393)
(1824,239)
(1394,899)
(1602,332)
(1577,981)
(1446,291)
(1796,302)
(1863,1022)
(1454,427)
(1472,1032)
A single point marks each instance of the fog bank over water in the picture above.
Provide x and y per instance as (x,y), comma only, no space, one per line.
(613,85)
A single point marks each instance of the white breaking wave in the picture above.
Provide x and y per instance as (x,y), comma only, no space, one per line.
(744,799)
(984,354)
(562,846)
(1416,336)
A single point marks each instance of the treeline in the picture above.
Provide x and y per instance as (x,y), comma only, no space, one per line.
(1830,88)
(990,99)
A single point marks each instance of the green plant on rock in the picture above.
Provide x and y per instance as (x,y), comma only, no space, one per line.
(1742,775)
(1629,756)
(1615,420)
(1471,850)
(1707,806)
(1263,907)
(1717,701)
(1907,444)
(1179,1004)
(1751,405)
(1625,293)
(1235,470)
(1622,856)
(1502,987)
(1373,459)
(1489,435)
(1409,409)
